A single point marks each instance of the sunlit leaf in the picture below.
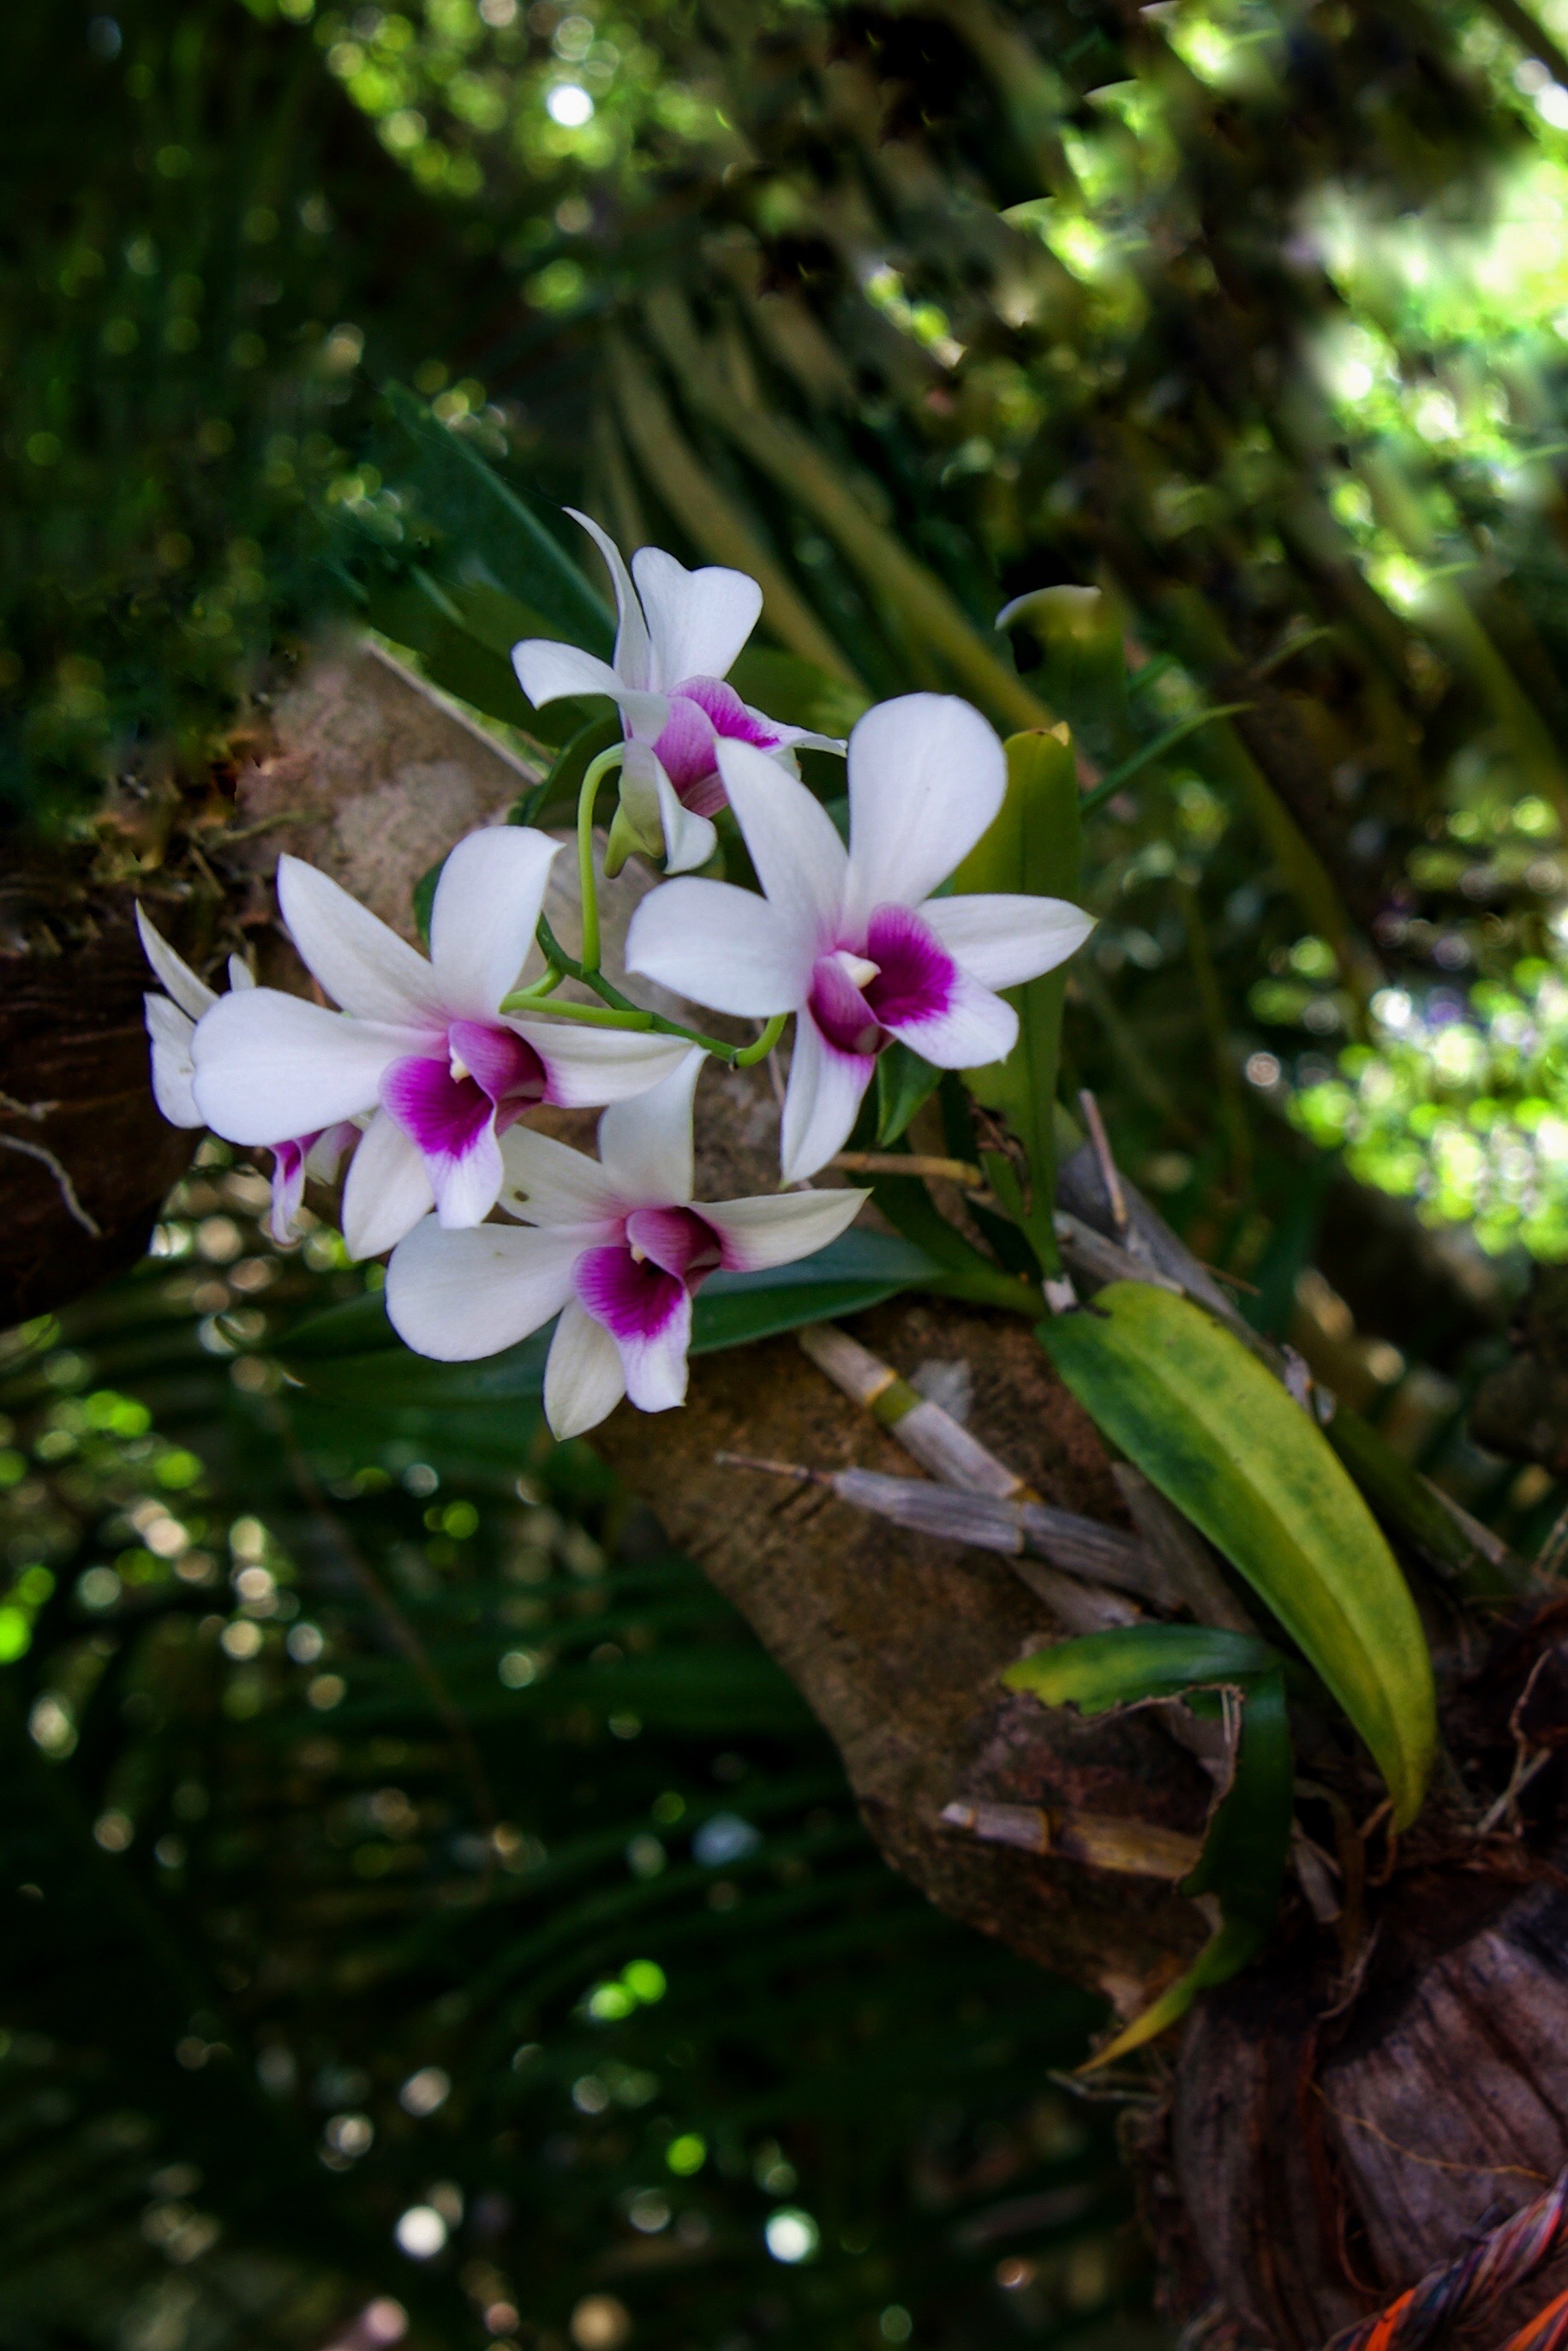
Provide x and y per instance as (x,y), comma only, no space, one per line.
(1221,1438)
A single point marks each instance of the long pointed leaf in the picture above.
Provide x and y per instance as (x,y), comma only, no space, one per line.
(1222,1440)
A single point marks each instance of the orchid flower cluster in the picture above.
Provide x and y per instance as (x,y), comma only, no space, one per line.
(428,1067)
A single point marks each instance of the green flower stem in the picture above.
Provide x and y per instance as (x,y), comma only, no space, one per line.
(536,991)
(751,1054)
(618,1012)
(597,771)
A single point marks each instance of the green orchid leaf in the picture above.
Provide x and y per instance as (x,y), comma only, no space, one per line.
(1137,1661)
(1242,1863)
(1203,1420)
(857,1271)
(905,1083)
(1245,1851)
(489,521)
(352,1355)
(1034,846)
(1083,669)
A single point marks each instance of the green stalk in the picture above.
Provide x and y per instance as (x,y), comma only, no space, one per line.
(597,771)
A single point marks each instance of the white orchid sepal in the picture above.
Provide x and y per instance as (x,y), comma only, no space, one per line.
(614,1247)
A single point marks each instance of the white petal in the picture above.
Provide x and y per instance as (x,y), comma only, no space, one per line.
(765,1232)
(656,1368)
(1003,939)
(467,1183)
(720,947)
(388,1190)
(269,1066)
(172,1031)
(547,671)
(584,1378)
(977,1028)
(689,840)
(547,1183)
(369,970)
(794,845)
(458,1296)
(585,1066)
(820,1102)
(697,620)
(646,1144)
(926,777)
(240,973)
(633,660)
(191,995)
(484,916)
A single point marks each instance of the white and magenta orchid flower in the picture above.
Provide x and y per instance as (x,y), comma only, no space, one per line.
(614,1247)
(421,1046)
(677,634)
(172,1024)
(853,942)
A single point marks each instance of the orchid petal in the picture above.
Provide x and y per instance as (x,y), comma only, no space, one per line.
(646,1144)
(584,1378)
(1002,940)
(191,995)
(453,1121)
(547,1183)
(288,1190)
(800,862)
(172,1031)
(585,1067)
(689,839)
(325,1155)
(548,671)
(972,1028)
(367,968)
(697,620)
(633,661)
(456,1296)
(271,1066)
(240,973)
(388,1190)
(720,947)
(485,911)
(648,1313)
(820,1102)
(678,1241)
(765,1232)
(926,778)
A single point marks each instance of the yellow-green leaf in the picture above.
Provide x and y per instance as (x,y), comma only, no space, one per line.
(1209,1426)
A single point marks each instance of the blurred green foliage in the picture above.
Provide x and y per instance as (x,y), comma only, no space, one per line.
(423,1890)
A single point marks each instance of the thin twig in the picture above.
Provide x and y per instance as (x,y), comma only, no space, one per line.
(38,1110)
(908,1163)
(1108,1175)
(67,1189)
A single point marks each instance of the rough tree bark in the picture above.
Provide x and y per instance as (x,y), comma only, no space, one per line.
(1330,2125)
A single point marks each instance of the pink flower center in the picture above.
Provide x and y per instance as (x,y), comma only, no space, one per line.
(900,976)
(702,710)
(445,1104)
(638,1286)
